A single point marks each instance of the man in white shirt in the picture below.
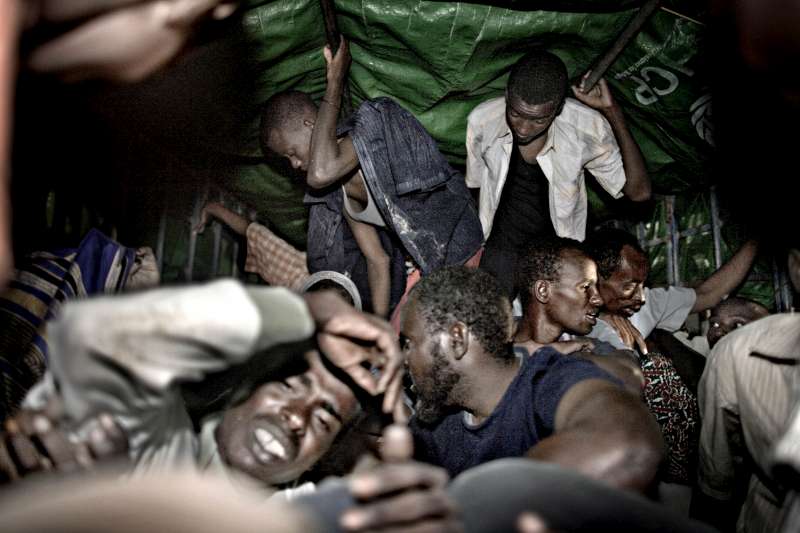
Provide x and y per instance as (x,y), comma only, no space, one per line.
(527,152)
(632,311)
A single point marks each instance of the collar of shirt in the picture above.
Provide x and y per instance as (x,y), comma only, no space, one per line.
(776,336)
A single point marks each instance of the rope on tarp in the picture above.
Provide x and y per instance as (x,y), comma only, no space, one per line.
(682,16)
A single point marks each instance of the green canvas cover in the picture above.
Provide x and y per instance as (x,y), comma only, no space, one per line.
(441,59)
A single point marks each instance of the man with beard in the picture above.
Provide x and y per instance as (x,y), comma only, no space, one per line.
(527,153)
(478,399)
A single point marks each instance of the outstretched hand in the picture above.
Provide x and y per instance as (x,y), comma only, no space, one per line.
(599,97)
(361,344)
(35,441)
(205,215)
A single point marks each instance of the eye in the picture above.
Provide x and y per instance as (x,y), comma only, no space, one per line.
(326,417)
(321,421)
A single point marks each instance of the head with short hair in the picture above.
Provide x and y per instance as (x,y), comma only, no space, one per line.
(622,268)
(280,423)
(730,314)
(451,313)
(538,77)
(461,294)
(535,94)
(287,121)
(557,282)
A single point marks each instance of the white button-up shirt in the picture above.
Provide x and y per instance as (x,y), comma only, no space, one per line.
(579,137)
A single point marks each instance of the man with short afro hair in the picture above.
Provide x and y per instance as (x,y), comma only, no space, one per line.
(478,398)
(527,152)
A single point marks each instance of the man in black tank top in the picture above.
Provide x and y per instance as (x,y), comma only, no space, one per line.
(523,214)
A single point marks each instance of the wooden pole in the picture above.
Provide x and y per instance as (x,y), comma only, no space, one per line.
(332,36)
(601,65)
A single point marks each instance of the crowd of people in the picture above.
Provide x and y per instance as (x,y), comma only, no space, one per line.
(450,353)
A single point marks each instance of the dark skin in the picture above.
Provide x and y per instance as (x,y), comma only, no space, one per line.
(590,435)
(312,146)
(36,441)
(623,291)
(571,304)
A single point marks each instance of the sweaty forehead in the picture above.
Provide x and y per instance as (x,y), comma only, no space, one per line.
(633,264)
(530,110)
(575,265)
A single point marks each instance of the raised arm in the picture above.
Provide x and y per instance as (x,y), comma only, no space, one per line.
(331,159)
(728,277)
(637,181)
(605,433)
(378,267)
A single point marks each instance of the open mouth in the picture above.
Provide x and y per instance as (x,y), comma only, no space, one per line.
(632,310)
(271,444)
(592,317)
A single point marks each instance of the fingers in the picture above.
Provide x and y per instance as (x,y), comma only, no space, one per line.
(393,400)
(201,224)
(20,446)
(33,442)
(531,523)
(395,477)
(106,439)
(342,340)
(398,444)
(55,444)
(404,509)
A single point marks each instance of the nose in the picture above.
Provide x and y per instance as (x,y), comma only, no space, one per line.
(524,129)
(638,296)
(296,416)
(595,299)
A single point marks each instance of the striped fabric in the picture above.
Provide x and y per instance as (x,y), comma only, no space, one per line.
(42,283)
(745,398)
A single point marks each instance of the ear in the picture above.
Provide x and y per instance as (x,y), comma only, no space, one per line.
(541,290)
(458,341)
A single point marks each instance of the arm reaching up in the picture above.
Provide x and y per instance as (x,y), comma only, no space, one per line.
(728,277)
(331,159)
(637,181)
